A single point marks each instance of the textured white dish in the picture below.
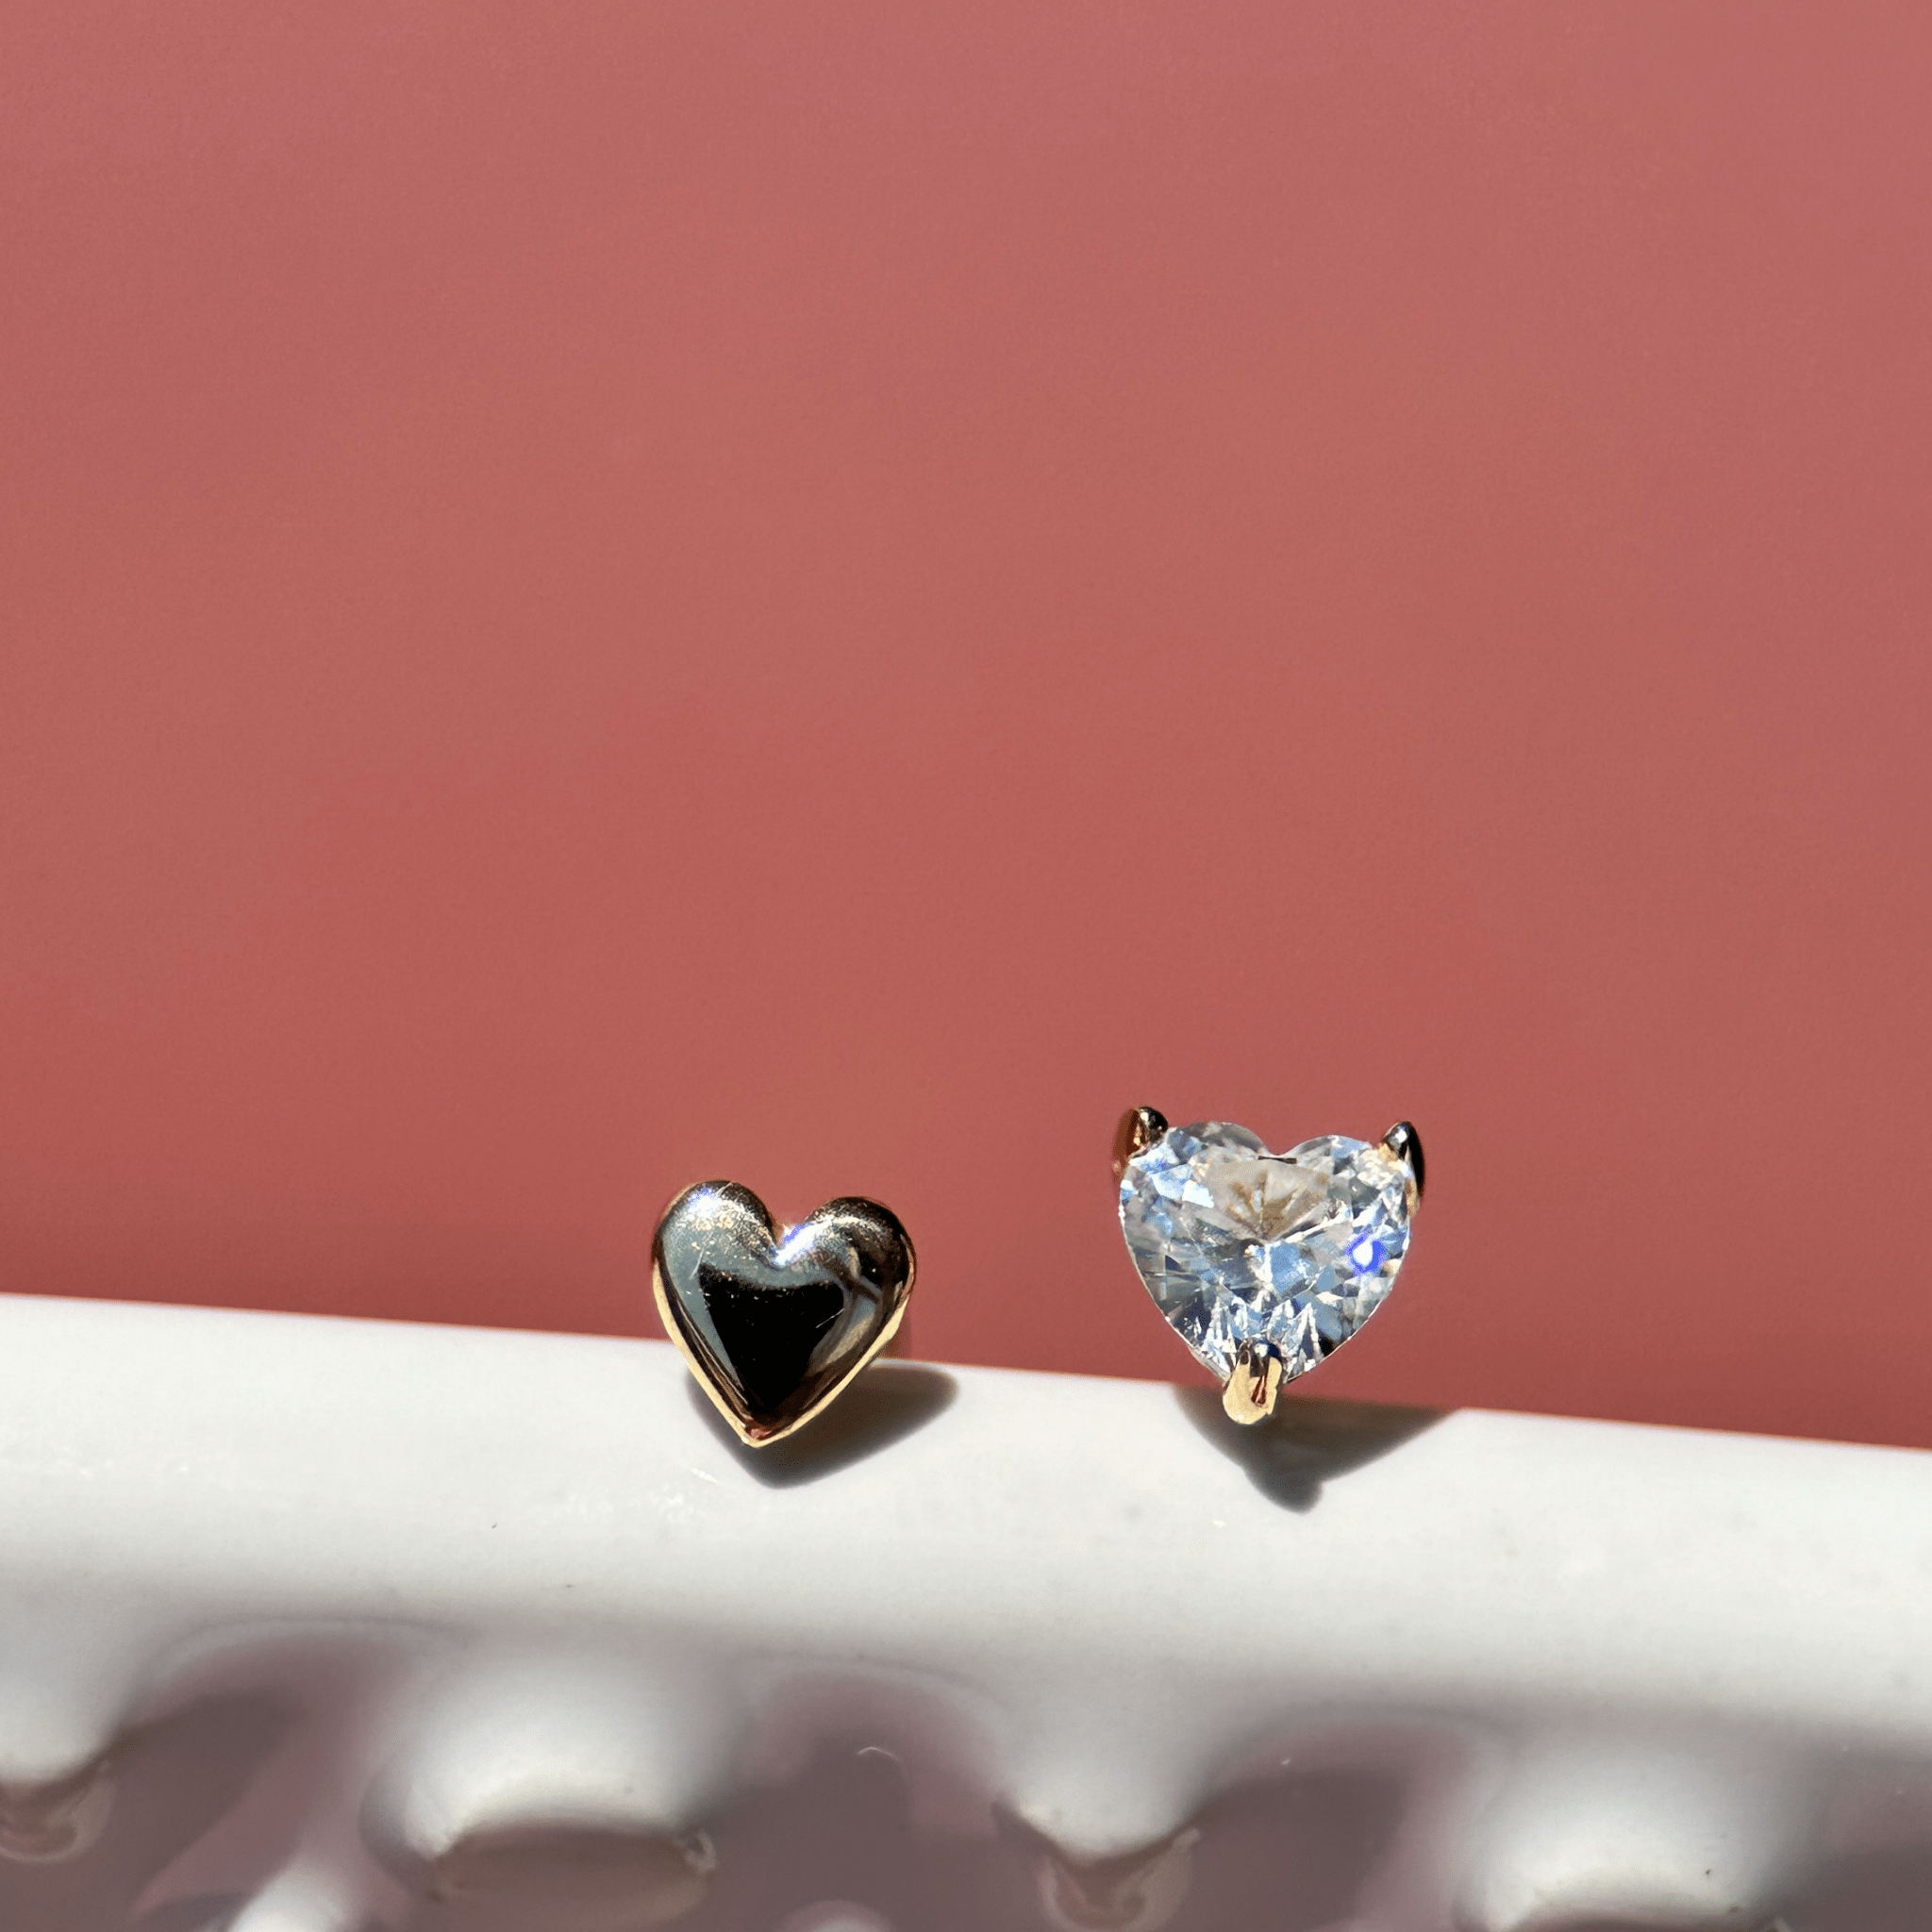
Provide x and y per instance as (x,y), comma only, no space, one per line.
(318,1626)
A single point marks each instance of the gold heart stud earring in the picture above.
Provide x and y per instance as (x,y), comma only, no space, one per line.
(774,1323)
(1264,1264)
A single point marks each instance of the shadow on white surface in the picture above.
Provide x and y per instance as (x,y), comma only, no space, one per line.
(1307,1443)
(890,1401)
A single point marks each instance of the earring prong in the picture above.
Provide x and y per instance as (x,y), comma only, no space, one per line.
(1405,1144)
(1139,1128)
(1256,1385)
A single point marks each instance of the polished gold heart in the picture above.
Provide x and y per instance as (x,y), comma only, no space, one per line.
(772,1324)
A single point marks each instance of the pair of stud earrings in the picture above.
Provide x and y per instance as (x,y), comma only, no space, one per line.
(1262,1263)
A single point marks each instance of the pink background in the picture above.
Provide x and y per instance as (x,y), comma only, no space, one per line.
(833,593)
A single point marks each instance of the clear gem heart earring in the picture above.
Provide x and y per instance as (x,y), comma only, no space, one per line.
(773,1324)
(1264,1264)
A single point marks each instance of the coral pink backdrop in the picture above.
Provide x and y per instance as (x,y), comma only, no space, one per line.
(833,593)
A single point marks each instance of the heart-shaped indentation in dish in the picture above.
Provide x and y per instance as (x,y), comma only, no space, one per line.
(774,1325)
(1237,1245)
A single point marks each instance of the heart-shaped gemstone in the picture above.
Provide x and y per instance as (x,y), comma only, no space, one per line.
(774,1325)
(1237,1245)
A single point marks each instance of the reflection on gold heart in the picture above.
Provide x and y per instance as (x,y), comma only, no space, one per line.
(774,1325)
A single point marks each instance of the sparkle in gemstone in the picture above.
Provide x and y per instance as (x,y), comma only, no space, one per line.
(1237,1244)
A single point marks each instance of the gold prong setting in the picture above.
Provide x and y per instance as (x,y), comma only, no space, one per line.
(1255,1387)
(1405,1147)
(1139,1128)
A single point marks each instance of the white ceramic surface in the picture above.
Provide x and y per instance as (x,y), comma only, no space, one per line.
(320,1626)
